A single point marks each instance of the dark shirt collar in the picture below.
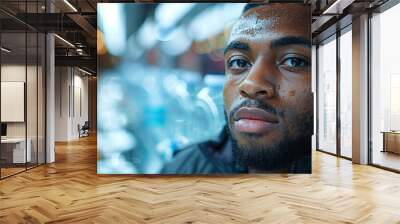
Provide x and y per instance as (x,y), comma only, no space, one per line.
(220,152)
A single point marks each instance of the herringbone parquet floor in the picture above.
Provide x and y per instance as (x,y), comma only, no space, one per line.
(70,191)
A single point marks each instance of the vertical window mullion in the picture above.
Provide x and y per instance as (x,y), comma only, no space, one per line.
(338,73)
(26,86)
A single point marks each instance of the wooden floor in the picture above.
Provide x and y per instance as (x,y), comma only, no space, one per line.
(70,191)
(387,159)
(10,171)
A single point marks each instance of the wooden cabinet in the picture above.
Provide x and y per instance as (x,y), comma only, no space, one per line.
(391,142)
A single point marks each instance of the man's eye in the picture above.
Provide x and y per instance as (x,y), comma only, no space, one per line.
(238,63)
(294,62)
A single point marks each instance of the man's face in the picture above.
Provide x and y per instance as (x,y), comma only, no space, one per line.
(267,95)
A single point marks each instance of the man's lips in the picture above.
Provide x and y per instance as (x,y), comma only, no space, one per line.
(254,120)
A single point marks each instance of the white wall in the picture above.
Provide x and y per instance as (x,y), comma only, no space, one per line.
(70,83)
(16,73)
(81,89)
(12,101)
(62,81)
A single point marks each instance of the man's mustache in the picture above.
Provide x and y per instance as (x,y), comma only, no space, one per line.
(254,103)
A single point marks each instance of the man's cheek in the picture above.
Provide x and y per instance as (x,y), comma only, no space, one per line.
(297,102)
(297,109)
(229,95)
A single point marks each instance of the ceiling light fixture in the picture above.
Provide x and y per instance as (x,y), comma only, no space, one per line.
(65,41)
(70,5)
(84,71)
(337,7)
(5,50)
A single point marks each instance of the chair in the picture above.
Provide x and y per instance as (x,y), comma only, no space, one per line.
(84,130)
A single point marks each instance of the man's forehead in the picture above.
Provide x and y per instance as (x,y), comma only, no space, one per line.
(253,24)
(255,29)
(265,23)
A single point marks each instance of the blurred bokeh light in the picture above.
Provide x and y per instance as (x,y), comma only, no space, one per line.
(161,76)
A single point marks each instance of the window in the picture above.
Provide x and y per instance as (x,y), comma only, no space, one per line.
(346,93)
(327,96)
(385,89)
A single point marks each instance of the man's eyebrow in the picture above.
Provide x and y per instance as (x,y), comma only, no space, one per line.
(237,45)
(290,40)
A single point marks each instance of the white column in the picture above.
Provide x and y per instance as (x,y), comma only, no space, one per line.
(62,103)
(360,90)
(50,92)
(50,100)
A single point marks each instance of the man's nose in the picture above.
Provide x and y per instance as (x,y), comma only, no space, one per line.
(258,82)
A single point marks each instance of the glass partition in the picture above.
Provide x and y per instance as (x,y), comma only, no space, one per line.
(327,96)
(22,91)
(14,153)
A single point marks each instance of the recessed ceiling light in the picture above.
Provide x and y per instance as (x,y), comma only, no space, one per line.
(84,71)
(65,41)
(337,7)
(5,50)
(70,5)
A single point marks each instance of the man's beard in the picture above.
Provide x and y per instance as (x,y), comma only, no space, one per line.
(276,156)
